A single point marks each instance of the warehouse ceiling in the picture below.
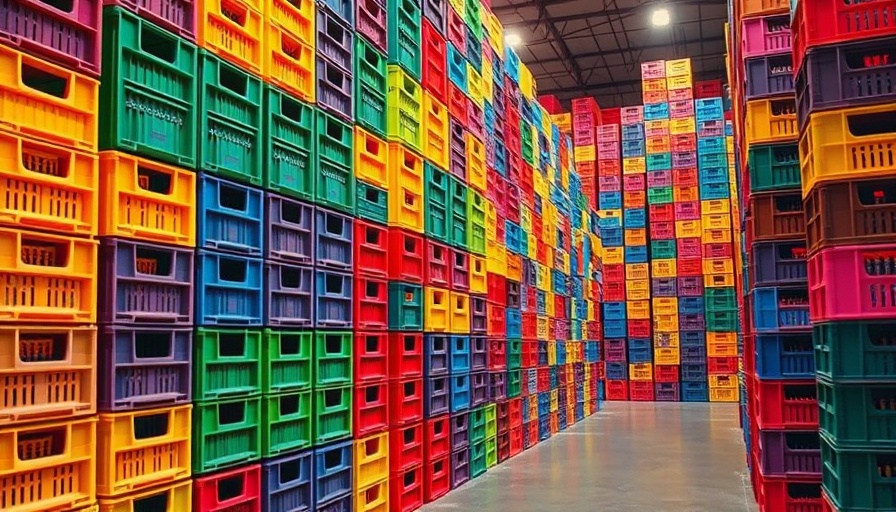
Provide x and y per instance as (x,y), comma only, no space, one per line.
(594,47)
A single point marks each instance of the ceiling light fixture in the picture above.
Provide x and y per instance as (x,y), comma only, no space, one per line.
(513,39)
(661,17)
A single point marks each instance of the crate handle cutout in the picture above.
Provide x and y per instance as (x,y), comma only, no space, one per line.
(332,459)
(232,413)
(41,445)
(373,289)
(335,76)
(372,446)
(232,344)
(438,385)
(234,198)
(410,478)
(150,426)
(43,348)
(154,181)
(289,405)
(800,393)
(232,271)
(333,344)
(372,396)
(783,107)
(409,389)
(332,398)
(290,472)
(410,436)
(230,488)
(859,59)
(290,344)
(878,123)
(158,43)
(44,254)
(40,77)
(234,12)
(334,284)
(43,162)
(153,262)
(410,343)
(800,491)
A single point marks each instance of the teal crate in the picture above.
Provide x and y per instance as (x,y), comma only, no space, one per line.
(286,361)
(335,187)
(774,167)
(858,416)
(476,234)
(720,299)
(660,195)
(477,425)
(287,423)
(405,48)
(459,202)
(290,145)
(659,162)
(226,433)
(491,452)
(437,204)
(332,418)
(514,383)
(478,465)
(722,321)
(231,103)
(226,363)
(858,480)
(372,202)
(405,306)
(333,358)
(149,90)
(370,88)
(514,354)
(491,421)
(855,351)
(663,249)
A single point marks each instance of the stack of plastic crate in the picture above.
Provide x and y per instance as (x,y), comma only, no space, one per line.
(48,223)
(846,110)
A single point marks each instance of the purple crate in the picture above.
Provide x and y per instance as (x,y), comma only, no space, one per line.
(177,16)
(289,295)
(769,76)
(711,128)
(790,453)
(436,391)
(680,109)
(693,354)
(666,392)
(145,283)
(334,89)
(460,430)
(475,121)
(513,294)
(615,351)
(144,367)
(70,37)
(479,383)
(333,235)
(290,226)
(847,75)
(684,159)
(478,353)
(479,314)
(458,150)
(435,354)
(460,467)
(691,286)
(333,300)
(497,386)
(692,322)
(460,271)
(664,287)
(779,263)
(659,179)
(436,12)
(370,22)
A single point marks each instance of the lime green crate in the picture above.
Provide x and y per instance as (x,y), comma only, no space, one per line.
(491,452)
(858,416)
(478,464)
(404,115)
(226,433)
(514,383)
(491,421)
(527,143)
(335,187)
(720,299)
(473,18)
(405,36)
(514,354)
(332,420)
(231,103)
(437,204)
(774,167)
(477,425)
(290,145)
(854,351)
(476,235)
(286,361)
(858,479)
(333,358)
(149,90)
(663,249)
(370,88)
(287,422)
(373,202)
(405,306)
(226,363)
(459,203)
(660,195)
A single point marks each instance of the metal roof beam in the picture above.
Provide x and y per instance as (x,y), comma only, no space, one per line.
(617,51)
(601,13)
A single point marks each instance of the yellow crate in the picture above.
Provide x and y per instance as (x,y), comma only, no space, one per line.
(296,17)
(679,67)
(478,274)
(541,187)
(665,305)
(635,237)
(687,228)
(679,82)
(772,120)
(141,449)
(659,144)
(728,395)
(533,246)
(436,316)
(718,280)
(637,309)
(371,460)
(717,349)
(436,142)
(375,497)
(637,271)
(665,323)
(488,86)
(563,122)
(667,339)
(525,218)
(495,32)
(497,257)
(543,331)
(718,266)
(715,206)
(288,62)
(716,221)
(657,127)
(614,255)
(723,381)
(550,304)
(641,372)
(527,82)
(476,166)
(176,497)
(666,357)
(634,165)
(683,125)
(475,89)
(729,145)
(491,221)
(664,268)
(585,154)
(543,278)
(371,158)
(716,236)
(555,399)
(405,188)
(638,289)
(459,6)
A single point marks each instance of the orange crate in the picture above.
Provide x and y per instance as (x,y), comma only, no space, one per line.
(62,107)
(634,165)
(289,63)
(50,373)
(638,309)
(47,278)
(635,237)
(47,187)
(371,158)
(232,30)
(763,7)
(634,199)
(685,194)
(654,85)
(168,498)
(141,449)
(666,324)
(48,466)
(667,357)
(435,132)
(771,120)
(146,200)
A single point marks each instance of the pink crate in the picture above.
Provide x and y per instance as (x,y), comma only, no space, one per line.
(853,282)
(608,150)
(681,109)
(615,351)
(633,182)
(608,133)
(687,211)
(766,35)
(652,70)
(686,94)
(690,248)
(632,115)
(609,184)
(659,179)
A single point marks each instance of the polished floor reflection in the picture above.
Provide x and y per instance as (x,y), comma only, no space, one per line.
(664,457)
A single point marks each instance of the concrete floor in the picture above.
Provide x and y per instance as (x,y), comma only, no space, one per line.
(668,457)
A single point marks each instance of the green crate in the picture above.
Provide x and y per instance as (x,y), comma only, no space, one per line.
(404,108)
(370,88)
(514,383)
(663,249)
(491,421)
(290,145)
(527,144)
(405,306)
(287,423)
(373,202)
(473,18)
(226,433)
(332,419)
(333,358)
(459,202)
(858,416)
(858,480)
(226,363)
(476,236)
(335,187)
(514,354)
(231,103)
(405,48)
(478,464)
(659,195)
(491,452)
(722,321)
(286,361)
(438,188)
(720,299)
(149,90)
(774,167)
(855,351)
(477,425)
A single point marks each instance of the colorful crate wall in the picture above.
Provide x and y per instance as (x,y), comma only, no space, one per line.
(345,264)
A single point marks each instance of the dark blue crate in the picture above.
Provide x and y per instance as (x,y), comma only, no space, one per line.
(580,411)
(290,230)
(333,300)
(460,431)
(709,109)
(713,160)
(615,329)
(459,354)
(691,306)
(692,338)
(635,254)
(613,237)
(714,176)
(785,356)
(770,317)
(544,427)
(656,111)
(514,323)
(693,373)
(474,50)
(695,392)
(561,418)
(457,68)
(287,483)
(711,146)
(553,373)
(526,413)
(479,390)
(289,296)
(542,353)
(230,217)
(478,353)
(513,235)
(779,263)
(609,200)
(333,234)
(592,351)
(460,392)
(561,352)
(541,299)
(692,322)
(635,218)
(558,283)
(229,289)
(693,355)
(544,404)
(436,392)
(659,162)
(332,473)
(633,131)
(614,311)
(617,371)
(436,359)
(714,191)
(633,148)
(640,350)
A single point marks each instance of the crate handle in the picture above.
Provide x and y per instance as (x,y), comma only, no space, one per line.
(231,488)
(867,125)
(234,12)
(152,503)
(44,78)
(158,43)
(151,426)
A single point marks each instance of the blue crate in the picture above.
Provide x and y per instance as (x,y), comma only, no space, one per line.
(561,418)
(333,473)
(592,351)
(333,235)
(436,392)
(694,392)
(580,411)
(635,218)
(614,311)
(785,356)
(553,372)
(613,237)
(333,294)
(656,111)
(615,329)
(289,296)
(541,302)
(693,355)
(712,146)
(457,68)
(513,235)
(531,376)
(500,157)
(460,392)
(436,359)
(526,413)
(561,352)
(617,371)
(709,109)
(729,129)
(633,131)
(514,323)
(558,282)
(459,355)
(691,305)
(692,338)
(769,317)
(609,222)
(713,160)
(544,404)
(609,200)
(633,148)
(230,217)
(710,176)
(287,482)
(542,353)
(693,373)
(714,191)
(636,254)
(474,50)
(544,428)
(229,289)
(659,162)
(640,350)
(577,288)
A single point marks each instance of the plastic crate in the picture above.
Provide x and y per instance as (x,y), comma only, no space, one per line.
(334,188)
(226,433)
(332,414)
(371,306)
(170,497)
(766,35)
(237,488)
(785,405)
(777,216)
(370,408)
(857,479)
(286,361)
(290,230)
(770,75)
(372,202)
(405,355)
(229,291)
(694,392)
(853,351)
(779,263)
(290,144)
(335,92)
(230,217)
(771,121)
(370,79)
(850,212)
(333,475)
(856,417)
(406,399)
(868,267)
(287,482)
(227,364)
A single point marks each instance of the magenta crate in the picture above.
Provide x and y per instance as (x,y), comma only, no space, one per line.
(475,121)
(479,384)
(608,133)
(710,128)
(608,150)
(657,179)
(653,70)
(689,210)
(290,225)
(871,274)
(145,283)
(681,109)
(690,248)
(684,159)
(667,392)
(615,351)
(691,286)
(789,454)
(370,23)
(664,287)
(289,296)
(144,367)
(609,184)
(633,182)
(436,12)
(632,115)
(66,33)
(779,263)
(771,75)
(766,35)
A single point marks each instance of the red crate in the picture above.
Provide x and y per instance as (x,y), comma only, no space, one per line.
(870,294)
(530,323)
(503,446)
(560,309)
(405,447)
(502,412)
(516,412)
(371,249)
(215,493)
(607,168)
(718,251)
(371,409)
(497,354)
(406,250)
(497,289)
(665,373)
(513,202)
(371,304)
(616,389)
(516,441)
(599,369)
(527,188)
(684,142)
(371,357)
(532,433)
(405,355)
(689,248)
(690,267)
(438,264)
(721,365)
(435,62)
(685,177)
(708,89)
(543,379)
(457,105)
(614,291)
(497,320)
(639,328)
(641,391)
(551,104)
(789,494)
(530,354)
(662,230)
(436,478)
(406,487)
(614,273)
(456,31)
(662,213)
(611,116)
(496,191)
(785,405)
(437,438)
(634,182)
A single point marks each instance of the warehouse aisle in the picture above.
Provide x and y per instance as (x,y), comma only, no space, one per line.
(672,457)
